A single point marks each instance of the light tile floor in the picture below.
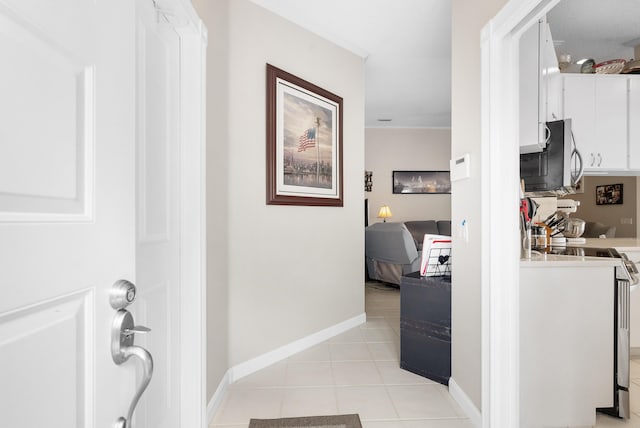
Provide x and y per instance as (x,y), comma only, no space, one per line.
(355,372)
(358,372)
(604,421)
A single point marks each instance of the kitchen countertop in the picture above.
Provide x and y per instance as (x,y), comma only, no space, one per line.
(618,243)
(621,244)
(556,260)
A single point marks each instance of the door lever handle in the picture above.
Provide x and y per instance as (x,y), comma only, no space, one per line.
(147,364)
(122,348)
(136,329)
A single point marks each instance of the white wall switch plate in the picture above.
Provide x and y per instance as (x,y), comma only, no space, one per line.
(460,167)
(462,230)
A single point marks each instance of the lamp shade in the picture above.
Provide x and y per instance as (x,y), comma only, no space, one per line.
(385,212)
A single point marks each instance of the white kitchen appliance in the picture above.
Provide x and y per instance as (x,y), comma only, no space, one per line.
(568,206)
(573,227)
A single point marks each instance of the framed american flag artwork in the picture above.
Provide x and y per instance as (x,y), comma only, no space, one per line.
(304,142)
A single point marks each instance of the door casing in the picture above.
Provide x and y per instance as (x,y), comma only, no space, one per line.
(500,248)
(193,44)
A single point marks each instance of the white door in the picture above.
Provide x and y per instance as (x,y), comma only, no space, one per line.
(158,198)
(68,216)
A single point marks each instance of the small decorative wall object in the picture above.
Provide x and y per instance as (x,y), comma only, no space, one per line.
(368,181)
(304,142)
(416,182)
(609,194)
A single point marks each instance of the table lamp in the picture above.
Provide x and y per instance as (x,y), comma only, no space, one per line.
(384,213)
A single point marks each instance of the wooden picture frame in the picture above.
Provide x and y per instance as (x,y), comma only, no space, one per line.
(609,194)
(304,142)
(421,182)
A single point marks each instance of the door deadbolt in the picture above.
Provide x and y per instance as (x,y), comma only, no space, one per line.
(123,293)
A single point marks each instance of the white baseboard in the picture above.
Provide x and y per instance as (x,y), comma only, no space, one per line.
(243,369)
(465,403)
(216,400)
(253,365)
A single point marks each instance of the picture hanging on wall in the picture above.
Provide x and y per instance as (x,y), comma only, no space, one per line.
(417,182)
(609,194)
(304,142)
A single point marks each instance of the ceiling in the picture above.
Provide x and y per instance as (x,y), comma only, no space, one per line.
(596,29)
(407,46)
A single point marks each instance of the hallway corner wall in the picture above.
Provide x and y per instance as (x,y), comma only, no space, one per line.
(276,274)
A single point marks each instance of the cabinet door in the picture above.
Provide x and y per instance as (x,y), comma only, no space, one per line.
(529,91)
(540,86)
(611,122)
(597,106)
(634,122)
(560,307)
(579,105)
(551,77)
(553,85)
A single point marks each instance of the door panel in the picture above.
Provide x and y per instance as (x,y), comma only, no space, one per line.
(56,329)
(44,169)
(154,138)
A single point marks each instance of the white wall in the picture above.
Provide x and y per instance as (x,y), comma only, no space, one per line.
(290,271)
(469,16)
(215,16)
(406,149)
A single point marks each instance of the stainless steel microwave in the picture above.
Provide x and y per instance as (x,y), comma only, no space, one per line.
(557,169)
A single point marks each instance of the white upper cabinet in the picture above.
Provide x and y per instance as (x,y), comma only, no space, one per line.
(540,86)
(634,122)
(551,94)
(579,101)
(529,76)
(597,105)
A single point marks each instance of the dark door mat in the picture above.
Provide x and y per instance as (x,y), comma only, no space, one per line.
(333,421)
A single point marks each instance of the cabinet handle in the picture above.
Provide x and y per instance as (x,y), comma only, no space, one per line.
(577,175)
(547,134)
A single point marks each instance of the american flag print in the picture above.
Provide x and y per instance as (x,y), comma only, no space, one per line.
(307,140)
